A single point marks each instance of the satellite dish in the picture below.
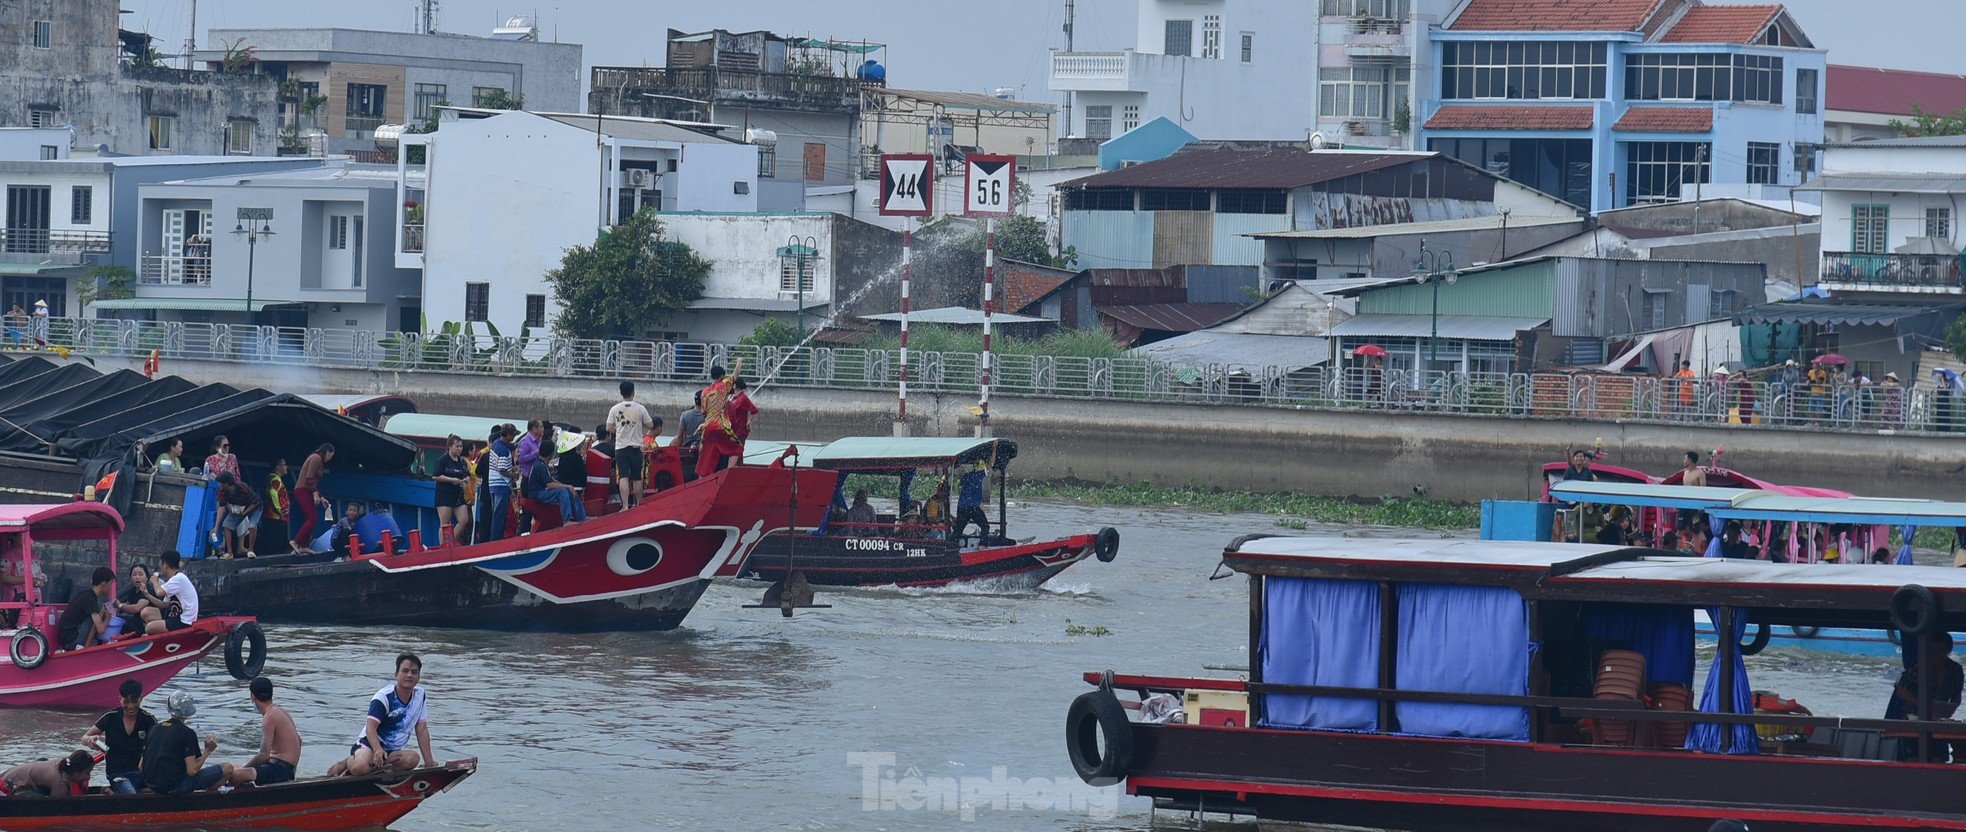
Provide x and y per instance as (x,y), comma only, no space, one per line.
(1317,140)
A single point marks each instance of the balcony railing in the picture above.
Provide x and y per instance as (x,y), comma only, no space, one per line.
(1906,272)
(361,127)
(174,270)
(66,248)
(412,237)
(1377,26)
(1088,66)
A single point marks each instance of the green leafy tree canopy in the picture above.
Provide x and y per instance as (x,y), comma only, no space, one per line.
(499,99)
(1932,124)
(630,280)
(106,282)
(1956,337)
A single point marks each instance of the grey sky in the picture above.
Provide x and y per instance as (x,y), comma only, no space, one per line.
(938,44)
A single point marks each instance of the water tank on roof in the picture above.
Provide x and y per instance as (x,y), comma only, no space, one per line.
(518,27)
(1004,93)
(757,136)
(873,71)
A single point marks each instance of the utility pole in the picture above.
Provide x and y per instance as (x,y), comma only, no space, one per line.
(191,37)
(1071,12)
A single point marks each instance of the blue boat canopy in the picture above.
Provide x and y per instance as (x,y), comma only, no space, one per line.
(904,452)
(1757,504)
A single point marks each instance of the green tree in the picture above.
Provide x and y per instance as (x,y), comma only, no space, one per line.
(627,282)
(106,282)
(1956,337)
(1932,124)
(772,333)
(499,99)
(1025,238)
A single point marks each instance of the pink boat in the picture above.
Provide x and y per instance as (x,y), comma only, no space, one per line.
(39,676)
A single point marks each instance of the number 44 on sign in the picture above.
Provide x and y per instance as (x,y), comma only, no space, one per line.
(987,192)
(907,185)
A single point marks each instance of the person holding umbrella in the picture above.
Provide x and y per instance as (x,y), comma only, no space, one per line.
(1372,368)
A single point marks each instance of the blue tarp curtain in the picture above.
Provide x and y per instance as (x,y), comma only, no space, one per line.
(839,502)
(1663,634)
(1463,639)
(907,493)
(1320,632)
(1705,736)
(1904,552)
(1713,545)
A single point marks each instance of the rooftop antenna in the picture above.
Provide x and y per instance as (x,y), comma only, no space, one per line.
(1071,14)
(426,19)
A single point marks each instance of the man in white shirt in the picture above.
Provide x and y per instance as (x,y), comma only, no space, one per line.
(180,597)
(630,421)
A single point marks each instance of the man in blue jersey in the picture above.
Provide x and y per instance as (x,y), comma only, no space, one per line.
(395,714)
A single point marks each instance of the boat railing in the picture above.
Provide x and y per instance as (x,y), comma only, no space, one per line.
(1922,407)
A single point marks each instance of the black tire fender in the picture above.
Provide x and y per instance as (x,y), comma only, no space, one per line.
(1758,643)
(245,651)
(1092,714)
(1106,545)
(22,637)
(1804,631)
(1915,610)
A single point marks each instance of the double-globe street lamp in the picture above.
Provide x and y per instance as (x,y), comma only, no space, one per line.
(1435,268)
(251,227)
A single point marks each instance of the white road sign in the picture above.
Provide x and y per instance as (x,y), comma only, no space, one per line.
(987,190)
(907,185)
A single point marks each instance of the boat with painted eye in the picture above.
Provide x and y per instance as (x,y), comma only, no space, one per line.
(924,542)
(1531,687)
(326,804)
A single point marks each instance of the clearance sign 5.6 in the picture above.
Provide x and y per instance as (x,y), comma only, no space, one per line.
(987,189)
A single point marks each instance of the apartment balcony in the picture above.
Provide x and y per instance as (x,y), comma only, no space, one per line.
(360,127)
(670,93)
(174,270)
(1368,37)
(413,238)
(1911,273)
(59,248)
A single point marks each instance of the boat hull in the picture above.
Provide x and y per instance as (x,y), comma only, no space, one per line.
(345,803)
(877,561)
(88,678)
(1476,786)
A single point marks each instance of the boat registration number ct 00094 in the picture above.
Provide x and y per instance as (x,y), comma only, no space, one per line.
(875,544)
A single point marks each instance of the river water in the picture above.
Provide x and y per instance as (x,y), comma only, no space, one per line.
(894,709)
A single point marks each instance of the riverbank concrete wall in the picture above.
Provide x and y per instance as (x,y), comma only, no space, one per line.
(1350,453)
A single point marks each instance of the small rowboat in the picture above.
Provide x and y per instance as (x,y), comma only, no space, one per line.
(330,803)
(37,676)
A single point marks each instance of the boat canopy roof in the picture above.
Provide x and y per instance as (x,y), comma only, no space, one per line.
(1855,595)
(442,425)
(1757,504)
(905,452)
(79,520)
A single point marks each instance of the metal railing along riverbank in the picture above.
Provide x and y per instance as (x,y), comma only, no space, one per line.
(1919,408)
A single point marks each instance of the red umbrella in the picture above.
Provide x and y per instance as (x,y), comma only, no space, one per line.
(1371,349)
(1832,359)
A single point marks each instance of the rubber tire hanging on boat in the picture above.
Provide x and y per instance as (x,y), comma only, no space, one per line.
(22,636)
(1106,545)
(242,665)
(1758,643)
(1092,714)
(1915,610)
(1804,631)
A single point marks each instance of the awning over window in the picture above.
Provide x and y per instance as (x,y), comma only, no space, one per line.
(1928,321)
(1468,327)
(195,304)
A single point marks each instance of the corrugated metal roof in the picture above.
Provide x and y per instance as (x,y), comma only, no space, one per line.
(1429,227)
(955,316)
(1291,352)
(1172,317)
(1470,327)
(1841,314)
(1268,169)
(1913,141)
(1868,89)
(967,101)
(638,129)
(754,304)
(1897,183)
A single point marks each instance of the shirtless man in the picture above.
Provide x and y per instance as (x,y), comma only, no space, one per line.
(395,713)
(279,742)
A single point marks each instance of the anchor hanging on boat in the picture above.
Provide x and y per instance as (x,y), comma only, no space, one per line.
(791,591)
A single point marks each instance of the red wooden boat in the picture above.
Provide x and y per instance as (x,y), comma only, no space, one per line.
(908,551)
(36,676)
(1468,686)
(313,805)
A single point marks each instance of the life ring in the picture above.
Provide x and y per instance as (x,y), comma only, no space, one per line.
(1092,714)
(1915,610)
(1106,545)
(22,658)
(241,664)
(1804,631)
(1756,644)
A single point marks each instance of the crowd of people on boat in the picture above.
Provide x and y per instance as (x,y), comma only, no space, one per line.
(246,516)
(148,604)
(142,754)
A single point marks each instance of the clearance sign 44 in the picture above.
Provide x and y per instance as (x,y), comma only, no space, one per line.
(907,185)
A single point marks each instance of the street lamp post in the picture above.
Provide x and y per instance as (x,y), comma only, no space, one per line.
(251,229)
(1435,268)
(801,247)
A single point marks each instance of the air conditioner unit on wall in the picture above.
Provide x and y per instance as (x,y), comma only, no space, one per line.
(637,179)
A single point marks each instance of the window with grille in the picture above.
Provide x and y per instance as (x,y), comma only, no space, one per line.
(1248,46)
(1869,228)
(1703,76)
(1099,199)
(1764,162)
(477,302)
(428,96)
(1173,199)
(160,128)
(43,118)
(44,34)
(1180,38)
(536,311)
(1655,310)
(1129,117)
(795,272)
(1519,70)
(1805,91)
(1250,202)
(337,232)
(239,137)
(1720,304)
(1211,36)
(1656,170)
(1938,223)
(1099,122)
(81,205)
(479,94)
(1361,91)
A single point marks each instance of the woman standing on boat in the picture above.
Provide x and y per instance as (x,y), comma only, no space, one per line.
(307,497)
(453,473)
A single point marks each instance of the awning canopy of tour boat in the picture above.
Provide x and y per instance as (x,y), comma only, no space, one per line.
(441,425)
(903,452)
(79,520)
(1757,504)
(1648,495)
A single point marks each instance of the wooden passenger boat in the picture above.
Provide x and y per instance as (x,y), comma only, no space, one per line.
(1486,685)
(326,804)
(901,549)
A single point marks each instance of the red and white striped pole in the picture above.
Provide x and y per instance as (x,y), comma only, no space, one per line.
(901,412)
(989,302)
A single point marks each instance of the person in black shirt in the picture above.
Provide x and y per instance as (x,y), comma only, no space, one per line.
(86,618)
(452,474)
(172,762)
(1948,681)
(120,735)
(1731,545)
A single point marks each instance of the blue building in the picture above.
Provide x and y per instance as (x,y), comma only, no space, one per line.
(1610,103)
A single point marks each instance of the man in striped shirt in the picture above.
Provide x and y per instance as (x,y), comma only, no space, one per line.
(499,483)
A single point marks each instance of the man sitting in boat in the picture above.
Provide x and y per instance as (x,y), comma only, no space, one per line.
(66,777)
(1948,681)
(936,513)
(86,617)
(120,735)
(172,762)
(279,742)
(395,713)
(180,597)
(540,487)
(861,513)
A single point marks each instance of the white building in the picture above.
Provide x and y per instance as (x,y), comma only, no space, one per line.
(1375,64)
(1891,217)
(21,144)
(759,261)
(496,202)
